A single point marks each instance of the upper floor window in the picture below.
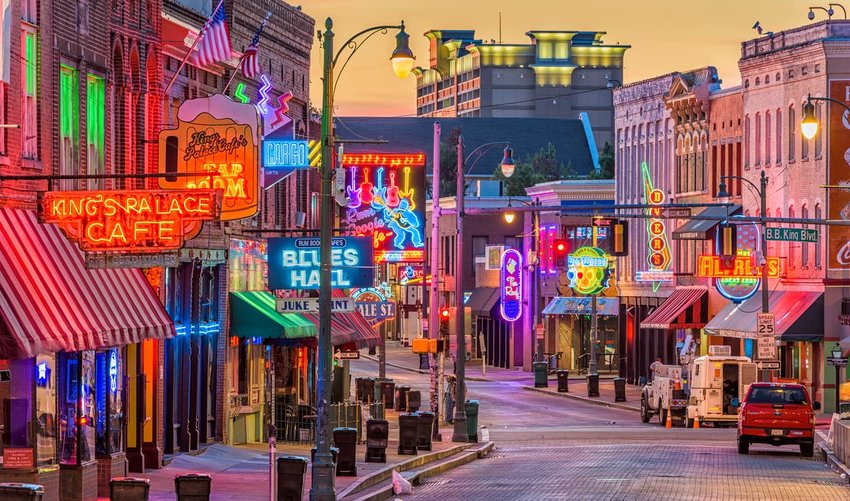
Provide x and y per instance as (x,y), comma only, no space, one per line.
(29,11)
(69,120)
(95,124)
(767,138)
(778,136)
(758,139)
(792,133)
(29,92)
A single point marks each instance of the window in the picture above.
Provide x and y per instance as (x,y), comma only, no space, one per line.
(95,123)
(109,423)
(69,123)
(819,135)
(818,216)
(5,57)
(757,144)
(29,11)
(791,261)
(778,137)
(792,133)
(29,86)
(767,138)
(747,141)
(479,248)
(804,253)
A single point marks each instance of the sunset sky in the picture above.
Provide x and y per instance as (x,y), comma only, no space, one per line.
(665,35)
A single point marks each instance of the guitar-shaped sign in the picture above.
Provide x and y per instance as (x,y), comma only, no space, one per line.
(392,192)
(408,191)
(366,188)
(379,198)
(351,190)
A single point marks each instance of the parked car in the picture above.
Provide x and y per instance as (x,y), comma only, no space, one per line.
(777,414)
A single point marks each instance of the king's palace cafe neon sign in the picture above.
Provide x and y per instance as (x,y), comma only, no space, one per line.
(129,221)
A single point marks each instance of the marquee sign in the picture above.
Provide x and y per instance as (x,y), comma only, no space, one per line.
(410,274)
(738,278)
(386,194)
(588,271)
(510,282)
(294,263)
(129,221)
(214,146)
(736,268)
(659,257)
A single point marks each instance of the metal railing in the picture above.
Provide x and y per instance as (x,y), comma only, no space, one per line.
(297,423)
(606,362)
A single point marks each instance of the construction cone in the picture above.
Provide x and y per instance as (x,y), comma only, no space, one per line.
(669,423)
(696,423)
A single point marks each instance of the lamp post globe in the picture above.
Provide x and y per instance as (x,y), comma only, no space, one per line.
(809,123)
(402,57)
(508,166)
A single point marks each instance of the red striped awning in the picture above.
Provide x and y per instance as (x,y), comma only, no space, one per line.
(50,302)
(672,313)
(348,328)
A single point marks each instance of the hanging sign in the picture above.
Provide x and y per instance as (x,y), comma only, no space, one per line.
(838,200)
(215,142)
(374,303)
(588,271)
(294,263)
(738,278)
(510,283)
(131,221)
(386,201)
(410,274)
(659,257)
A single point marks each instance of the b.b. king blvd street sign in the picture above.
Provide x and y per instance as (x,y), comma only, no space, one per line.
(792,234)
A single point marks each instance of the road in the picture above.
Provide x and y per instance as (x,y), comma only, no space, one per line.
(554,448)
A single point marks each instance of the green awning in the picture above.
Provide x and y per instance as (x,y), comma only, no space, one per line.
(253,314)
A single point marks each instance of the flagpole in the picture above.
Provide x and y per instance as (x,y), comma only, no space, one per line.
(195,44)
(239,65)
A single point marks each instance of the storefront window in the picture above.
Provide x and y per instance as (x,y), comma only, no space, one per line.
(16,392)
(45,408)
(76,407)
(109,423)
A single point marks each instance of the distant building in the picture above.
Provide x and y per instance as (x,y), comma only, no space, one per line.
(559,74)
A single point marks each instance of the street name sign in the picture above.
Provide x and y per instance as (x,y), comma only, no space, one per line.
(311,305)
(792,234)
(840,362)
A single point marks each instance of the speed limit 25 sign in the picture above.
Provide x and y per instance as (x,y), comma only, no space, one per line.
(766,325)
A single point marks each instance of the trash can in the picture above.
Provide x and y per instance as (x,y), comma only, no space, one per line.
(541,374)
(377,436)
(128,489)
(368,390)
(388,393)
(426,429)
(424,362)
(563,381)
(373,350)
(408,434)
(619,389)
(471,408)
(290,478)
(401,398)
(414,401)
(593,385)
(193,486)
(13,491)
(345,439)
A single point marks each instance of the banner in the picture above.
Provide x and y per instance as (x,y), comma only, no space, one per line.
(838,200)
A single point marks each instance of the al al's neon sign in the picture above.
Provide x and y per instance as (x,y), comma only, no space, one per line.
(659,257)
(132,221)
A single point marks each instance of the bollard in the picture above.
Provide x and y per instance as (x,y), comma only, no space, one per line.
(345,439)
(563,381)
(129,489)
(426,426)
(619,390)
(377,437)
(471,408)
(593,385)
(13,491)
(290,478)
(541,374)
(414,401)
(193,486)
(408,434)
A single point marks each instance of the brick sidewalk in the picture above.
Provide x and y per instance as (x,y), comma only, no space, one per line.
(578,391)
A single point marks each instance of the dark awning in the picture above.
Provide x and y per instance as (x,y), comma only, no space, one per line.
(672,313)
(482,300)
(699,227)
(581,305)
(799,317)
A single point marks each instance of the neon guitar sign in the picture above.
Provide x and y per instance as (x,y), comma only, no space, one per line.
(387,200)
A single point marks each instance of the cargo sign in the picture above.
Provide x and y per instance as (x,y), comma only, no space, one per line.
(792,234)
(311,305)
(294,263)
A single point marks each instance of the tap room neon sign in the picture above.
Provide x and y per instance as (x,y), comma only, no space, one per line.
(510,282)
(386,200)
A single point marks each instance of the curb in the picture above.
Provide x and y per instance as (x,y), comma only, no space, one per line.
(616,405)
(833,462)
(420,371)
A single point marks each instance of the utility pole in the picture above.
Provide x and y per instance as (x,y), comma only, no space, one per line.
(434,297)
(460,434)
(593,368)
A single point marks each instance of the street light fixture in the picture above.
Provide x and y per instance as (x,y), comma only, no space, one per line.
(322,483)
(508,166)
(509,214)
(809,123)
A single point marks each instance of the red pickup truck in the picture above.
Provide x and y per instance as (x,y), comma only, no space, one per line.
(777,414)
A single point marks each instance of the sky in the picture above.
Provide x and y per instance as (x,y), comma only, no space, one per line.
(665,35)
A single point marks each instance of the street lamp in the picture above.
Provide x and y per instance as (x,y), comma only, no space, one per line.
(809,122)
(509,214)
(322,483)
(837,359)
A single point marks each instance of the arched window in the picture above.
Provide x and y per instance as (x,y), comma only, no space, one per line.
(818,216)
(792,133)
(804,253)
(757,145)
(791,261)
(778,136)
(747,147)
(767,137)
(804,148)
(819,135)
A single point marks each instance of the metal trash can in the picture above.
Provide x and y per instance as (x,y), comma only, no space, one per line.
(471,408)
(541,374)
(408,434)
(345,440)
(290,478)
(193,486)
(619,389)
(377,437)
(593,385)
(388,393)
(424,362)
(358,389)
(368,395)
(401,398)
(414,401)
(426,430)
(563,381)
(129,489)
(13,491)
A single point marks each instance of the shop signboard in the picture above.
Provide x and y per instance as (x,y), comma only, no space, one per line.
(510,283)
(375,303)
(838,200)
(386,201)
(311,305)
(659,257)
(738,278)
(132,260)
(129,221)
(17,457)
(410,274)
(294,263)
(214,146)
(588,270)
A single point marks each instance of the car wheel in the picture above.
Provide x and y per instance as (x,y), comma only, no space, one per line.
(743,445)
(807,449)
(644,411)
(662,415)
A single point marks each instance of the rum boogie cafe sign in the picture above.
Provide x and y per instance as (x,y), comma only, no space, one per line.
(294,263)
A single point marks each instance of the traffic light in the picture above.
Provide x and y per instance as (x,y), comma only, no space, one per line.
(620,238)
(727,235)
(560,249)
(445,314)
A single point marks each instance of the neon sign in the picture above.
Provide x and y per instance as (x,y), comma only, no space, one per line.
(548,235)
(42,373)
(134,221)
(294,263)
(737,267)
(374,303)
(742,279)
(214,146)
(587,270)
(410,274)
(510,281)
(113,371)
(285,154)
(659,257)
(387,201)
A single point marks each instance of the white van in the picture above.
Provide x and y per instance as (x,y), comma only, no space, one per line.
(715,379)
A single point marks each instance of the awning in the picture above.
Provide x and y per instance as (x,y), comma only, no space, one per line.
(253,314)
(50,302)
(482,300)
(348,328)
(581,305)
(673,314)
(699,229)
(799,317)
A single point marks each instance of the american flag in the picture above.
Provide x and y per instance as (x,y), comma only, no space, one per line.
(215,44)
(250,63)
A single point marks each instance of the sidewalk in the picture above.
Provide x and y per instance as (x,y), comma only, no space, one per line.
(578,391)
